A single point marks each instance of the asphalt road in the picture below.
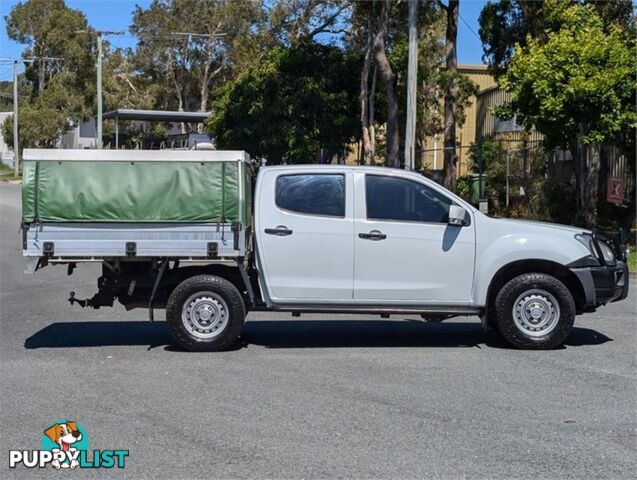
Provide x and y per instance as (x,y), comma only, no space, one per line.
(316,397)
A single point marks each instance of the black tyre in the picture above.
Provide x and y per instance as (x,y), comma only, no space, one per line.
(534,311)
(205,313)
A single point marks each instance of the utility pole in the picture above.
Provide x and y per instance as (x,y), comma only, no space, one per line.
(16,146)
(100,38)
(98,140)
(412,73)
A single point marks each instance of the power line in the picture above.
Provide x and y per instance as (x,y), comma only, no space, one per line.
(469,27)
(203,35)
(28,59)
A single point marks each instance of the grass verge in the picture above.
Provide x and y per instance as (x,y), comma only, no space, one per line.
(6,173)
(632,261)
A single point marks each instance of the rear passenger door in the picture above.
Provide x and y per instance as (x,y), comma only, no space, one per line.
(305,234)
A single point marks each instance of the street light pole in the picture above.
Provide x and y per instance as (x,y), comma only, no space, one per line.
(412,73)
(16,146)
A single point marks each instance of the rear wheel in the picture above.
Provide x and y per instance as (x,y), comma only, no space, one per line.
(205,313)
(534,311)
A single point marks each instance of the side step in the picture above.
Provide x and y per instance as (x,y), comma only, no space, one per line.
(383,310)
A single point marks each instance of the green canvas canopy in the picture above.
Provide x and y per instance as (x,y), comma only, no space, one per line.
(134,186)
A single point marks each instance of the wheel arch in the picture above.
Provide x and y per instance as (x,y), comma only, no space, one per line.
(230,273)
(513,269)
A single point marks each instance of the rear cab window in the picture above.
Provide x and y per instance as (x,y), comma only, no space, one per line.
(320,194)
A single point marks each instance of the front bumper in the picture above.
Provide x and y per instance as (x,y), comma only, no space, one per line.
(603,284)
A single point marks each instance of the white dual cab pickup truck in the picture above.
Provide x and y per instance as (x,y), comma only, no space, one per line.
(350,240)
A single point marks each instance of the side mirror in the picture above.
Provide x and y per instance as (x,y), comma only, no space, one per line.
(457,215)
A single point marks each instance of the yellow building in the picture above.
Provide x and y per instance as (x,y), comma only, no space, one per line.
(479,122)
(467,134)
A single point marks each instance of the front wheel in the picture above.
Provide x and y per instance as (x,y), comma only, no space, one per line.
(205,313)
(534,311)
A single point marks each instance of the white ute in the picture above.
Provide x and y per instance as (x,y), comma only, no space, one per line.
(376,241)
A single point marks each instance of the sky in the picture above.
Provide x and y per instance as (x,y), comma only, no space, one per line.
(116,15)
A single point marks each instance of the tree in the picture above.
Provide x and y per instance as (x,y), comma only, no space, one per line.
(187,66)
(372,32)
(507,23)
(451,95)
(577,87)
(387,75)
(60,91)
(48,29)
(433,77)
(293,103)
(43,119)
(366,96)
(291,22)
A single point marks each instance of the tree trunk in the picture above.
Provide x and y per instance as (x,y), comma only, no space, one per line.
(389,80)
(586,160)
(421,142)
(372,128)
(364,99)
(41,73)
(451,93)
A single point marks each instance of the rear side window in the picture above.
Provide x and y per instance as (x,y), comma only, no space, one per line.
(313,194)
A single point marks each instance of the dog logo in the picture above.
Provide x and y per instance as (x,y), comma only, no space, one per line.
(65,435)
(65,446)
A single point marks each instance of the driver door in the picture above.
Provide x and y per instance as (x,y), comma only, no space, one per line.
(404,249)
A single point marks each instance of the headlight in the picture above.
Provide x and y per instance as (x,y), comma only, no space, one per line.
(607,253)
(586,239)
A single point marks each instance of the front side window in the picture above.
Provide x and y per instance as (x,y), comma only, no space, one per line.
(313,194)
(392,198)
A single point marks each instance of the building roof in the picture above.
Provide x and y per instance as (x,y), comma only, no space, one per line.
(156,115)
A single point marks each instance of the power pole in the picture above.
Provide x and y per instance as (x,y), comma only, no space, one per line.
(100,38)
(16,146)
(98,140)
(412,74)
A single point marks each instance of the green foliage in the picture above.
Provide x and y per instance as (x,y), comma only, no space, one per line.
(490,150)
(49,28)
(121,88)
(582,77)
(182,69)
(59,91)
(502,26)
(507,23)
(463,187)
(289,105)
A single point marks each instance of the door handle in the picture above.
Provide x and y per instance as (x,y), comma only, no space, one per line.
(373,235)
(280,231)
